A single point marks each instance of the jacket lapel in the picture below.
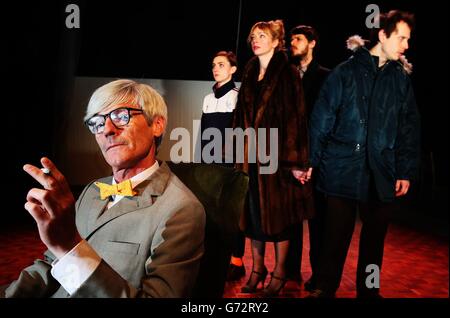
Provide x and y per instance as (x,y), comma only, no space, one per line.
(148,191)
(95,211)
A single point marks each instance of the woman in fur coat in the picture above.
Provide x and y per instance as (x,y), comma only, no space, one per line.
(271,97)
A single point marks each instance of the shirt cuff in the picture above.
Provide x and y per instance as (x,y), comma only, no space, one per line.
(72,270)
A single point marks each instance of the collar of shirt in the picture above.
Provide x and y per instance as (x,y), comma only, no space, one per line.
(136,180)
(302,70)
(222,90)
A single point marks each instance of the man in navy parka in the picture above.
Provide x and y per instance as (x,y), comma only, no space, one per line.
(365,146)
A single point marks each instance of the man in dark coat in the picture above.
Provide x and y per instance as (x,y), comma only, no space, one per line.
(365,142)
(304,41)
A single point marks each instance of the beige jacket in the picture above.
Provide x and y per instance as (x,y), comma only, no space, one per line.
(150,244)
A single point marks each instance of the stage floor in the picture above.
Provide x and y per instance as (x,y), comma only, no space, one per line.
(415,263)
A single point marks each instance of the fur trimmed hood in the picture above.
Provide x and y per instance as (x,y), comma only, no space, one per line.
(355,42)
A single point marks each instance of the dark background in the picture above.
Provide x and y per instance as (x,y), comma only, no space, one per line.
(176,40)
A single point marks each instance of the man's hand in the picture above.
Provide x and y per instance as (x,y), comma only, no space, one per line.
(302,175)
(53,209)
(401,187)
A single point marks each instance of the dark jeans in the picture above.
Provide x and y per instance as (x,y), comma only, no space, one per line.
(239,245)
(339,226)
(294,257)
(316,229)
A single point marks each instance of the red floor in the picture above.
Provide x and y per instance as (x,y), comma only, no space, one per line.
(415,264)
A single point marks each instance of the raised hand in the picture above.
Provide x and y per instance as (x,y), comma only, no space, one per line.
(53,208)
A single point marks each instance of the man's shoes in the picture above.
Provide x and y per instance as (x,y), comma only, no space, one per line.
(319,293)
(310,285)
(235,272)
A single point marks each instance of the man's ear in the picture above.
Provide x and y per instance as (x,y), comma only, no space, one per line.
(233,69)
(382,36)
(159,125)
(312,44)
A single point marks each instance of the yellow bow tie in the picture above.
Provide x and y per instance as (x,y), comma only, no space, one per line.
(124,188)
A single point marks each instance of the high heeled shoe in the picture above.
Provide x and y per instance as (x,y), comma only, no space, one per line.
(250,287)
(274,291)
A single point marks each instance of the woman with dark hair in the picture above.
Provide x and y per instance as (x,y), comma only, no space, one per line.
(219,105)
(218,109)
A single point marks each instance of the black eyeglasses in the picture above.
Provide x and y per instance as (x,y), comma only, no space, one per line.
(119,117)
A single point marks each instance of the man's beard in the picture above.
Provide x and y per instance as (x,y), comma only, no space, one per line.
(299,57)
(302,55)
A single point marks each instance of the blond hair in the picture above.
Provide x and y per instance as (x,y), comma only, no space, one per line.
(275,28)
(124,91)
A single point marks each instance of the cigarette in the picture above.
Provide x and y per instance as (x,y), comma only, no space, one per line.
(45,170)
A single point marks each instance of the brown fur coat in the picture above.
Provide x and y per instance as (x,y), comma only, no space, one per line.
(283,200)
